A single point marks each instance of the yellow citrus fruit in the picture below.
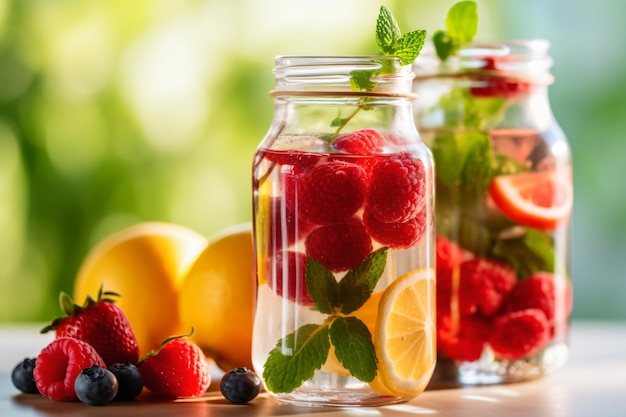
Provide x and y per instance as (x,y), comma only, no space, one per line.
(404,336)
(218,295)
(145,264)
(367,314)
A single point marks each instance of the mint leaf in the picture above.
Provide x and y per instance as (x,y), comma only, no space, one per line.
(532,252)
(390,40)
(296,357)
(462,21)
(359,283)
(461,27)
(361,80)
(408,47)
(444,44)
(322,286)
(353,347)
(387,31)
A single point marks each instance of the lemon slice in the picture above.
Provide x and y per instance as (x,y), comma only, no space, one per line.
(404,336)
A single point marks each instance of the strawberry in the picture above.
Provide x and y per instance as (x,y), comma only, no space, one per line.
(397,189)
(58,365)
(177,369)
(101,324)
(339,247)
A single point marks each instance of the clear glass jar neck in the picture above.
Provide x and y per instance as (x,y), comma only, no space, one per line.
(358,76)
(504,84)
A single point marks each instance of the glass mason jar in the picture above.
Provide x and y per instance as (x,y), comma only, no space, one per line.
(503,203)
(344,236)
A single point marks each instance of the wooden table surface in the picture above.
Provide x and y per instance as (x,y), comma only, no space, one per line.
(592,384)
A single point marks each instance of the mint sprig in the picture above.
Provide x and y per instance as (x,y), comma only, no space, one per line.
(391,42)
(461,27)
(298,355)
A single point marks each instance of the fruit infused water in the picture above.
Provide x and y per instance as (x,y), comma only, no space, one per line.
(344,236)
(504,198)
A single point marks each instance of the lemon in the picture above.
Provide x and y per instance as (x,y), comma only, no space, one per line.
(145,264)
(404,336)
(217,298)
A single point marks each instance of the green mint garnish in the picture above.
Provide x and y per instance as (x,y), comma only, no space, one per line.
(461,27)
(392,42)
(298,355)
(353,347)
(306,351)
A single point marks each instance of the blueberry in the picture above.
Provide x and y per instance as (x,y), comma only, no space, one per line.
(129,380)
(240,385)
(96,386)
(22,376)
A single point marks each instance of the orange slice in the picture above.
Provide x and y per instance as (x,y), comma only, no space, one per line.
(542,200)
(404,337)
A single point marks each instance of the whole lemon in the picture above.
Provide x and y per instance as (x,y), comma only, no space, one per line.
(218,295)
(145,264)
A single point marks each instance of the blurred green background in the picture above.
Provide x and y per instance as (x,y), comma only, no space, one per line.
(117,112)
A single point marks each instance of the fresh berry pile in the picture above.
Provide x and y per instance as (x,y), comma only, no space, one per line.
(481,302)
(73,366)
(337,208)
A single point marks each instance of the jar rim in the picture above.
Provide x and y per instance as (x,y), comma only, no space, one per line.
(335,75)
(526,59)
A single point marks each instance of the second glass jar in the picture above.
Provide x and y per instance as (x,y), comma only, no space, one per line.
(503,203)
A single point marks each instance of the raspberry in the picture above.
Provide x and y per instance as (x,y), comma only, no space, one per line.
(498,87)
(295,263)
(396,235)
(339,247)
(360,142)
(60,363)
(484,285)
(286,227)
(540,291)
(331,192)
(448,255)
(291,157)
(519,334)
(466,343)
(397,189)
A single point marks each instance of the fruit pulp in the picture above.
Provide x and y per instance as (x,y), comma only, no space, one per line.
(288,234)
(504,296)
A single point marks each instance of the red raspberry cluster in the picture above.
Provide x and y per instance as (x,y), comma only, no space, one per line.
(481,302)
(341,206)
